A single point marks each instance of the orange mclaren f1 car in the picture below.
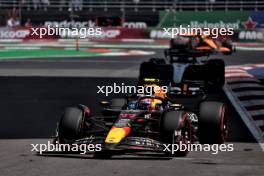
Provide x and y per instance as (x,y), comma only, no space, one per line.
(202,43)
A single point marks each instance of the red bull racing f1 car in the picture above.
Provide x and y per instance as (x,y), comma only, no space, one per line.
(143,123)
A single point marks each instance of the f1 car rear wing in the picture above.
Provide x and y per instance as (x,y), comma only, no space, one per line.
(186,53)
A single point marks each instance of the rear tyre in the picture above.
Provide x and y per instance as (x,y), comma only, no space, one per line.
(228,44)
(71,125)
(212,128)
(176,129)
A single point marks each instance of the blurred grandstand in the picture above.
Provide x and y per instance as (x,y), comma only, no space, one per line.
(132,4)
(123,20)
(37,11)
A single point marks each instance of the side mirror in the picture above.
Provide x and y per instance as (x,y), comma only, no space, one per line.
(104,103)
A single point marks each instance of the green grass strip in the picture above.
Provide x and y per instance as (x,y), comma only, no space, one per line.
(44,53)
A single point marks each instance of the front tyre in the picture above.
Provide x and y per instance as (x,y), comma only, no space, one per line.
(71,125)
(176,130)
(212,121)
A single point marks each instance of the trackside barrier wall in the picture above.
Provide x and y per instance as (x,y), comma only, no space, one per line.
(245,93)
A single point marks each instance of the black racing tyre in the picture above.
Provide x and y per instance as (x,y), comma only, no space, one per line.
(171,120)
(117,103)
(228,44)
(71,125)
(215,75)
(212,120)
(176,129)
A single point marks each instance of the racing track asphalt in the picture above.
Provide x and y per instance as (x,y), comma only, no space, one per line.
(16,159)
(103,66)
(35,91)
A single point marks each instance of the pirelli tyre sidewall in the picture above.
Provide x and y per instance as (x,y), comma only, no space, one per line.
(212,122)
(176,129)
(71,125)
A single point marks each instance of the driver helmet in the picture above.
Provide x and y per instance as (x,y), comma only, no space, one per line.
(150,104)
(144,104)
(132,105)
